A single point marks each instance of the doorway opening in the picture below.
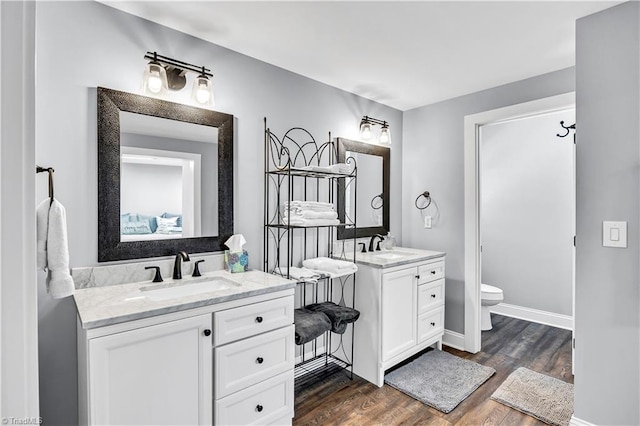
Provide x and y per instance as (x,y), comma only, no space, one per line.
(475,126)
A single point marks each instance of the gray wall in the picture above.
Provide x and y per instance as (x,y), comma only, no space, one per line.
(81,45)
(433,160)
(527,211)
(607,324)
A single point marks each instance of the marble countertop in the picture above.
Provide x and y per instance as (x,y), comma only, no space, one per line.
(396,257)
(112,304)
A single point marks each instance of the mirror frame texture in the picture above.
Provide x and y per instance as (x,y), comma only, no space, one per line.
(347,145)
(110,103)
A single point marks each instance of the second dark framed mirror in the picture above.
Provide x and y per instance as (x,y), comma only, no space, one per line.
(372,192)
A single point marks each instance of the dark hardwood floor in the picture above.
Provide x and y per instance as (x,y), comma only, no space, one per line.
(511,344)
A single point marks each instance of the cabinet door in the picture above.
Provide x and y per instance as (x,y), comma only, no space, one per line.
(399,304)
(157,375)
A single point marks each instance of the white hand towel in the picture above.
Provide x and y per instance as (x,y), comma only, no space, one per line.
(42,226)
(59,281)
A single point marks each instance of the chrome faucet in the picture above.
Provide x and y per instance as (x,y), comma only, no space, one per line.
(177,266)
(372,241)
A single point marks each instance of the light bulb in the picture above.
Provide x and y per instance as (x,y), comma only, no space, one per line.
(365,131)
(154,82)
(385,136)
(202,94)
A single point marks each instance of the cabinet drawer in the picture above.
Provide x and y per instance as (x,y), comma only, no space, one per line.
(242,364)
(264,403)
(430,324)
(431,272)
(430,296)
(245,321)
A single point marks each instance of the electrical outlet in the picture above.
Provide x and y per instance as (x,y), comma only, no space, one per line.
(427,222)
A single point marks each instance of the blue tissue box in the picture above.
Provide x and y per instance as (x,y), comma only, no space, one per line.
(237,261)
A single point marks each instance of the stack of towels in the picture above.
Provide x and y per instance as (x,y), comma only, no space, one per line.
(309,213)
(316,319)
(333,267)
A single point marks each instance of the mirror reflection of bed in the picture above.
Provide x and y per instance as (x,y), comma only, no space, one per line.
(161,174)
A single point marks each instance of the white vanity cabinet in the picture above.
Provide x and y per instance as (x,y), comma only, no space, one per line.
(227,363)
(155,375)
(401,313)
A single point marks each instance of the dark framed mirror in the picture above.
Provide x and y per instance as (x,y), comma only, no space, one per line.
(370,202)
(165,177)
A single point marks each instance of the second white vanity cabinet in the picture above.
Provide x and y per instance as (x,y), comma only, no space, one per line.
(401,308)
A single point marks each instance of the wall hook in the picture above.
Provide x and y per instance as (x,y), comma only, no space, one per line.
(567,129)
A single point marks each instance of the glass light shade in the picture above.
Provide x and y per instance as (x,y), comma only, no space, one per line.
(385,136)
(202,92)
(365,130)
(154,80)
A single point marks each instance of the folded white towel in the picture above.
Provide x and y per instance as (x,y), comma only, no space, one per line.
(310,214)
(309,205)
(53,248)
(341,168)
(333,267)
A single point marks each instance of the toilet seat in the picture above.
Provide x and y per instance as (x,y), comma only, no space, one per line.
(489,292)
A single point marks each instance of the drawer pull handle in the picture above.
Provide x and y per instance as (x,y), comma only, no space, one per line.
(207,332)
(259,360)
(259,408)
(258,319)
(433,272)
(418,277)
(433,324)
(433,295)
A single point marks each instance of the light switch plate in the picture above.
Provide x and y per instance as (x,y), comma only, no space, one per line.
(427,222)
(614,234)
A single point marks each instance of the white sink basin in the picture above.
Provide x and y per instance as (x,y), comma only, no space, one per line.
(393,255)
(189,288)
(389,256)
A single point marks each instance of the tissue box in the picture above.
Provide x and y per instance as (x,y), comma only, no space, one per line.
(237,261)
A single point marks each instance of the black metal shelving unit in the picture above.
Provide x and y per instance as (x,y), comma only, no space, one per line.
(291,172)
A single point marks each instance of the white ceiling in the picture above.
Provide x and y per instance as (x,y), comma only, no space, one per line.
(402,54)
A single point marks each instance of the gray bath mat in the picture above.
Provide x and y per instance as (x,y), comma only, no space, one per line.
(543,397)
(439,379)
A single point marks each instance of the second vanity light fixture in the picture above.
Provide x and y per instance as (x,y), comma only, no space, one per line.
(163,74)
(365,129)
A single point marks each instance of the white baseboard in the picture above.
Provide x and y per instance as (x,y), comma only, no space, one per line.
(577,422)
(533,315)
(453,340)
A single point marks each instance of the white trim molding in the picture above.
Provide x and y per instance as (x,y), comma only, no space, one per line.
(453,340)
(472,124)
(19,393)
(577,422)
(534,315)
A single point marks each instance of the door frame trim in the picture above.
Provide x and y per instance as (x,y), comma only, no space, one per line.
(472,123)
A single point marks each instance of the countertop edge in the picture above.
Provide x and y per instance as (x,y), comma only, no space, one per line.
(88,325)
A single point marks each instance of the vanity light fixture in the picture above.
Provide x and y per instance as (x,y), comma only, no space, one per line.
(163,74)
(365,129)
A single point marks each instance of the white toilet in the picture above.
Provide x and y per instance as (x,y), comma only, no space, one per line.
(489,296)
